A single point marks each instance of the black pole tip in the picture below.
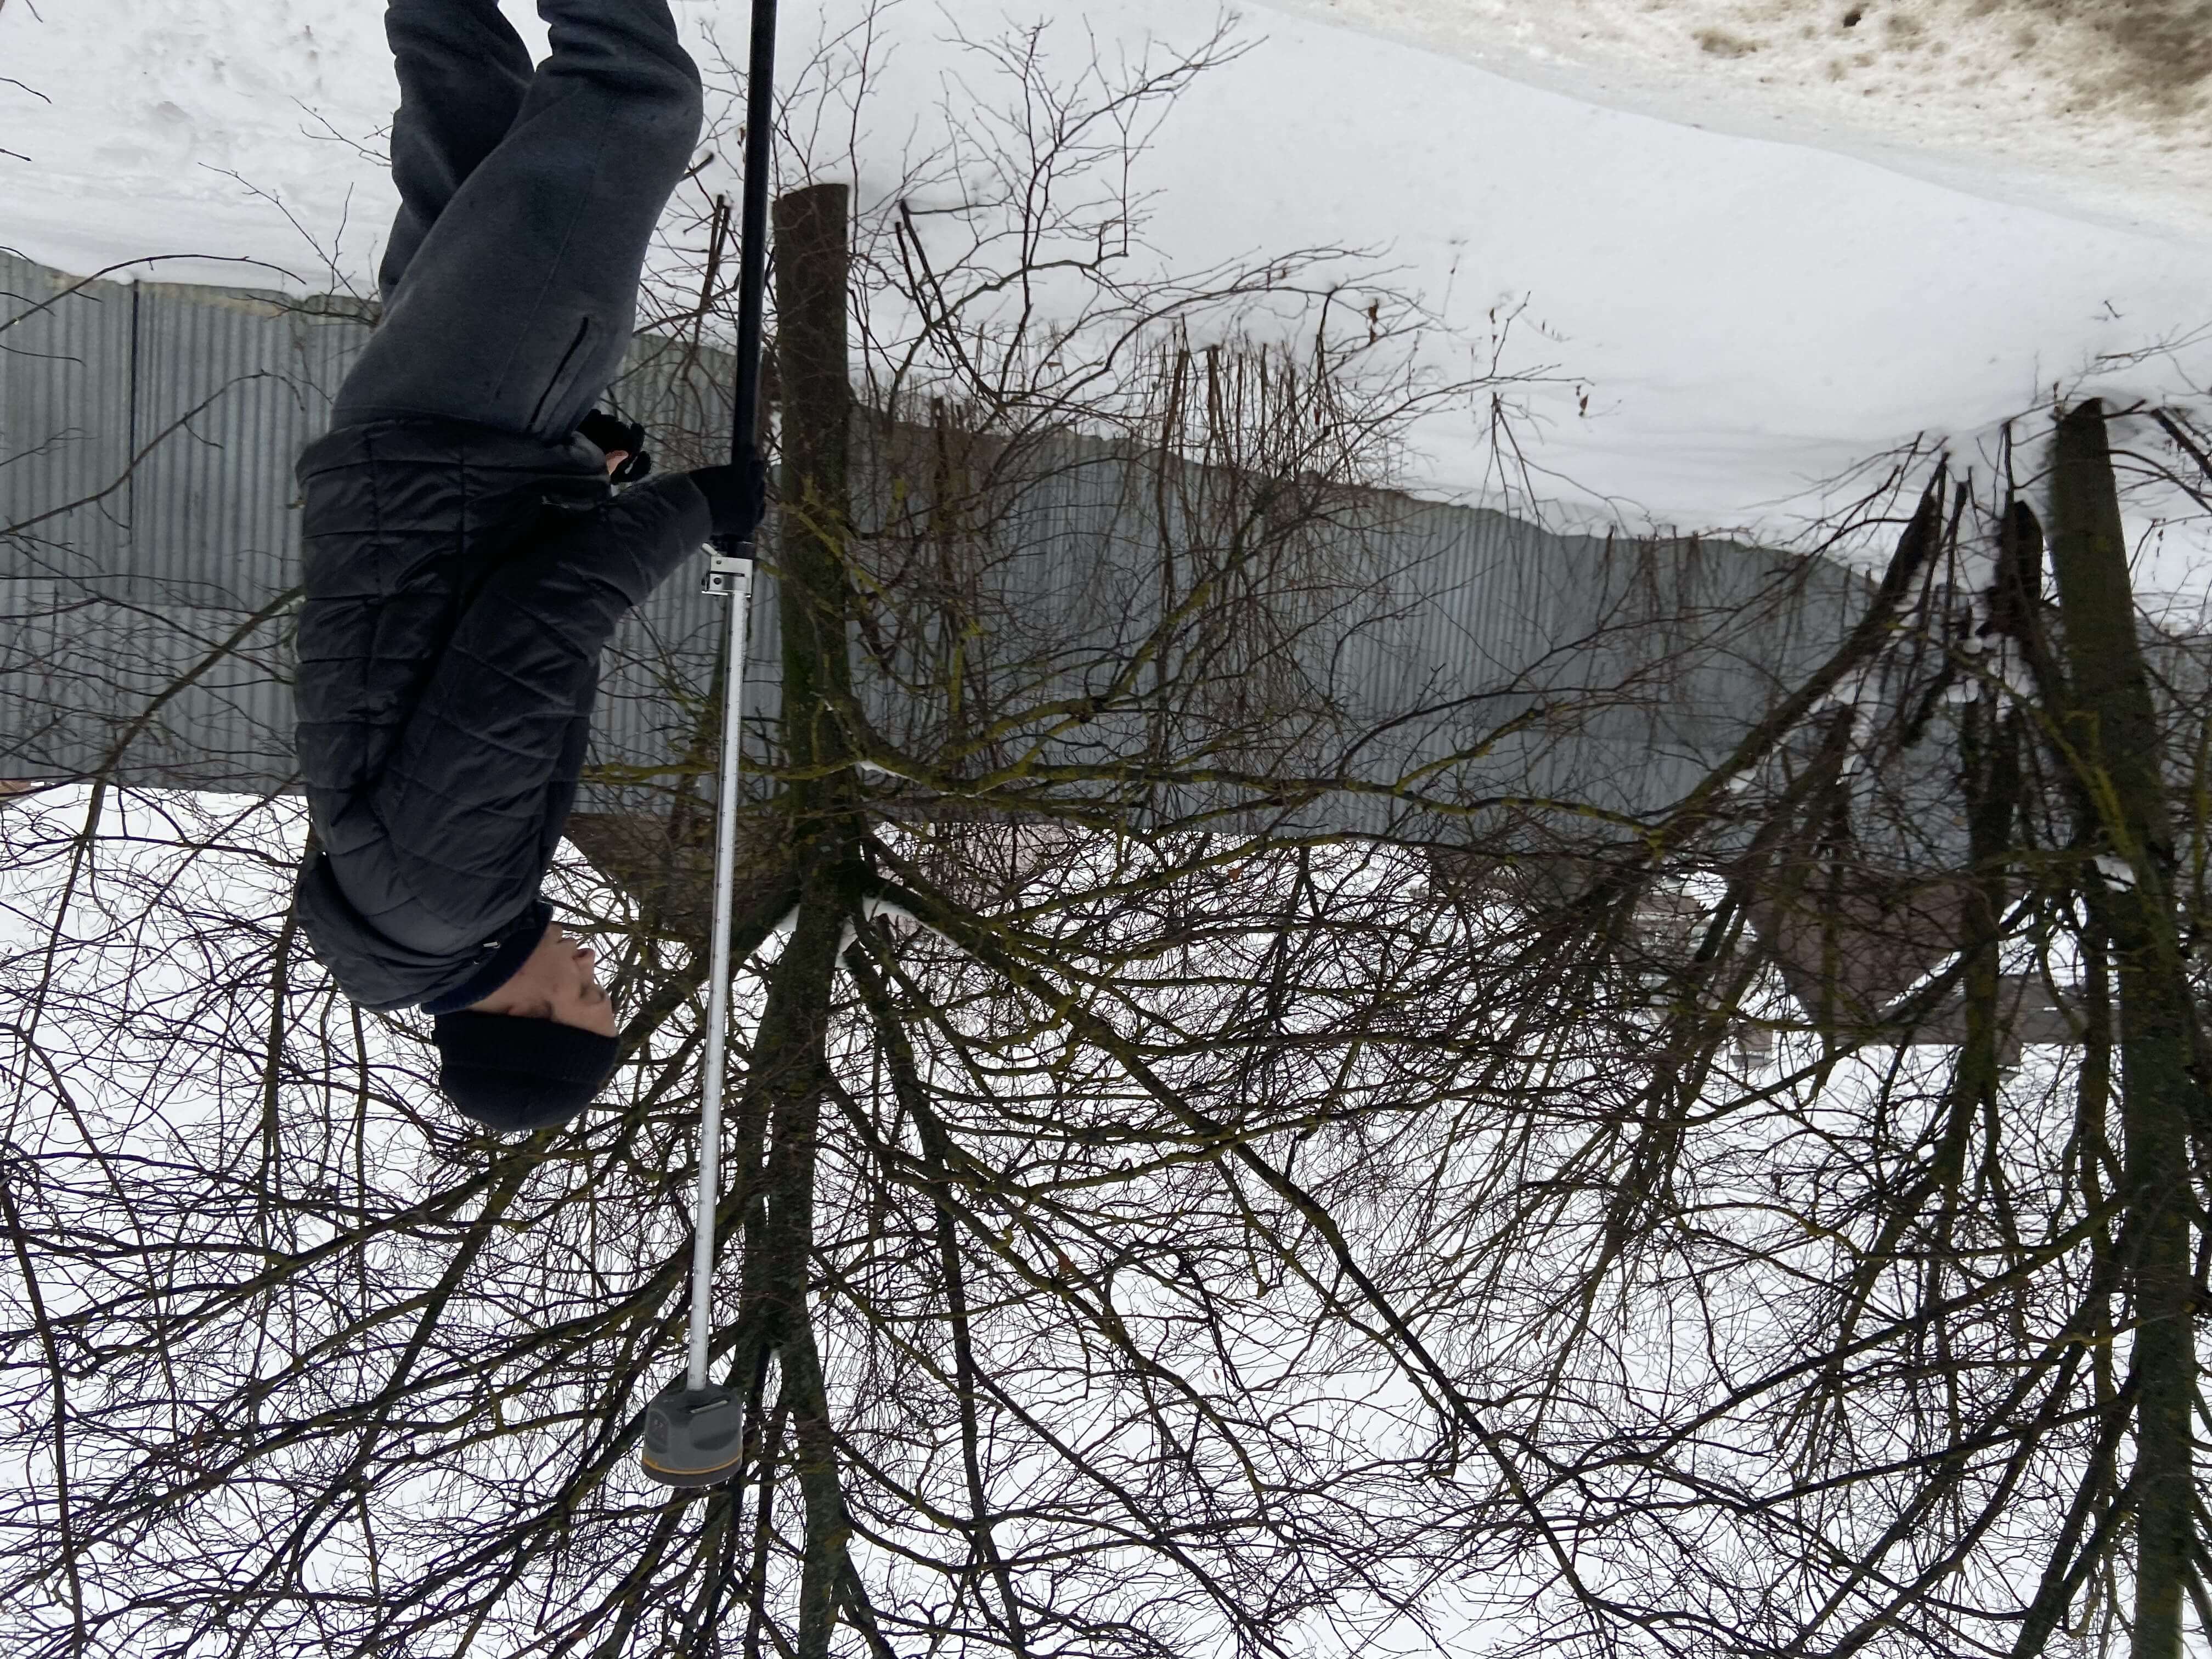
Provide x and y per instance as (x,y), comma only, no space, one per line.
(694,1436)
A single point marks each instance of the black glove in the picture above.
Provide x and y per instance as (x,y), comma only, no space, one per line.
(611,434)
(737,497)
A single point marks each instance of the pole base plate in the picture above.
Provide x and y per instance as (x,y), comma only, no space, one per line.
(694,1436)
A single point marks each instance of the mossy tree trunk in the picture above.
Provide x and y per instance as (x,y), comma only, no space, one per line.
(2108,728)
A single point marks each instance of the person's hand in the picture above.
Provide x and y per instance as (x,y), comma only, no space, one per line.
(622,442)
(736,495)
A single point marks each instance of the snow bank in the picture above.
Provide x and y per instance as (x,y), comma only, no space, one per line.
(2096,110)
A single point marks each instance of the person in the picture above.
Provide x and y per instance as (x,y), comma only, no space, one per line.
(465,554)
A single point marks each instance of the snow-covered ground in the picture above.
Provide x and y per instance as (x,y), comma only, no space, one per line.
(2097,111)
(1984,202)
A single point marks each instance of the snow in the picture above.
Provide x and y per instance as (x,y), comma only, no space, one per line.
(2008,201)
(2097,111)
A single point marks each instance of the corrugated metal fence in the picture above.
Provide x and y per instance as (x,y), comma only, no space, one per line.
(147,434)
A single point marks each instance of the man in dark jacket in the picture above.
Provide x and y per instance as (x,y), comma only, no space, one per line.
(465,556)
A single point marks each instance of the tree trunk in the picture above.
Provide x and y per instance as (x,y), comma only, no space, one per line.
(2109,726)
(779,1125)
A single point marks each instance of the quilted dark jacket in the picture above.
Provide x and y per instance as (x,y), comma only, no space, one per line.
(459,583)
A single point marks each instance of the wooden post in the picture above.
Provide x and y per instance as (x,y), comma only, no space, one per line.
(813,263)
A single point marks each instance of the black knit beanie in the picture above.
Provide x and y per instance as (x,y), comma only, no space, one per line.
(514,1074)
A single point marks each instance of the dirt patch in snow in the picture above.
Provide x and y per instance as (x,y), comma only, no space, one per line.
(2140,61)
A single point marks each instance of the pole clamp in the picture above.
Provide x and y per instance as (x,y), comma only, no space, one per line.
(726,570)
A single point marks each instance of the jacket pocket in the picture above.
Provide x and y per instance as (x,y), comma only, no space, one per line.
(564,376)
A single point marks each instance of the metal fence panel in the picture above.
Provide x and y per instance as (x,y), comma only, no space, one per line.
(143,634)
